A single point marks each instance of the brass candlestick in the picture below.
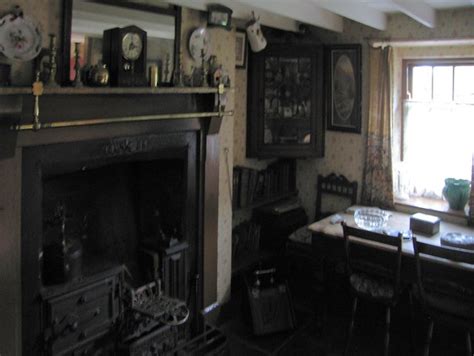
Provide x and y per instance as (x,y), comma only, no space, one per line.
(166,69)
(178,73)
(53,66)
(204,70)
(77,66)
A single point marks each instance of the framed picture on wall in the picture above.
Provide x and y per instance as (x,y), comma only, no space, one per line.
(343,68)
(240,49)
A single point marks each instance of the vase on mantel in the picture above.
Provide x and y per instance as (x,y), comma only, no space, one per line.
(456,192)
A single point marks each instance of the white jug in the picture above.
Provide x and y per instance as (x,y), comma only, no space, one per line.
(255,36)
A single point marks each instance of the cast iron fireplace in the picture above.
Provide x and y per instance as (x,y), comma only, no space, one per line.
(100,220)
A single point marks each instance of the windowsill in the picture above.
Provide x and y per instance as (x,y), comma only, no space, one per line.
(435,207)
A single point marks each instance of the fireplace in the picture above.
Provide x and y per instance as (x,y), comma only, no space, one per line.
(118,229)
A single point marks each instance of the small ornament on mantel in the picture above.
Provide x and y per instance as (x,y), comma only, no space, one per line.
(53,66)
(77,83)
(166,69)
(178,72)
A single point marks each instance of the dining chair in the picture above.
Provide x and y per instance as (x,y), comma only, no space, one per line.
(336,186)
(446,294)
(372,276)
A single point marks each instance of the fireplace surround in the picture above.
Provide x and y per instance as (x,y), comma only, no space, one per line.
(58,160)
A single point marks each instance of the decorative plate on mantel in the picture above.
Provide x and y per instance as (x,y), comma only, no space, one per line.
(20,37)
(199,42)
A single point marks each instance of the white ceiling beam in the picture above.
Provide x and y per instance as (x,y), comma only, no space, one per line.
(300,10)
(417,10)
(357,11)
(243,12)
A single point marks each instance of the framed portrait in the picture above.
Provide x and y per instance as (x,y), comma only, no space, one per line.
(343,87)
(240,49)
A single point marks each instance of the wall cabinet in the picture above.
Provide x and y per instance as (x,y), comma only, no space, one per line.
(285,102)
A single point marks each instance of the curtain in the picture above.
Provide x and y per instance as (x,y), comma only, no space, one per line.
(377,188)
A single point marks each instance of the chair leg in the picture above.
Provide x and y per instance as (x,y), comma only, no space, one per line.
(351,326)
(412,326)
(387,331)
(468,343)
(426,352)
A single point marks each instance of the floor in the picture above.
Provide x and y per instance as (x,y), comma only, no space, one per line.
(327,338)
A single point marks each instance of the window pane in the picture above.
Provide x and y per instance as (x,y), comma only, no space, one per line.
(464,84)
(438,145)
(422,83)
(443,83)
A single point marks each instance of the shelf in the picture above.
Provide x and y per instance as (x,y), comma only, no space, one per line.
(245,261)
(111,91)
(270,200)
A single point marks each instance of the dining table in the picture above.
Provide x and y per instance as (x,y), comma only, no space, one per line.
(327,243)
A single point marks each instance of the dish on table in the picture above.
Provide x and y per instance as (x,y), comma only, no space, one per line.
(371,218)
(458,240)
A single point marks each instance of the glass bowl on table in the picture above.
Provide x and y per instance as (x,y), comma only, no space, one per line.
(373,219)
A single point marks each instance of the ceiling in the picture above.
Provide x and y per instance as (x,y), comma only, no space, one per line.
(329,14)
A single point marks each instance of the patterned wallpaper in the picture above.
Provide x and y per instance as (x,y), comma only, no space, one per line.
(345,151)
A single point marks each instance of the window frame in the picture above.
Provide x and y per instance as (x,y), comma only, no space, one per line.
(407,72)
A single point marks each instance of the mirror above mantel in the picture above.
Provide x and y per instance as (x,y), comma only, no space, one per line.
(85,21)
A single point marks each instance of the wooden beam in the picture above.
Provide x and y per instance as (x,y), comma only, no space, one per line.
(300,10)
(355,10)
(417,10)
(243,12)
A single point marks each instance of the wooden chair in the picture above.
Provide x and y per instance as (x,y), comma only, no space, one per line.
(446,294)
(337,185)
(373,276)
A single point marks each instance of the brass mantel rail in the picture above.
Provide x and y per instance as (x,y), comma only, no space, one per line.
(116,120)
(36,125)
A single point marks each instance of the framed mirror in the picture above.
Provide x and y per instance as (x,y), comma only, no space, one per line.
(84,21)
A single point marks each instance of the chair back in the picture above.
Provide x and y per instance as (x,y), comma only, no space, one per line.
(336,185)
(365,258)
(452,282)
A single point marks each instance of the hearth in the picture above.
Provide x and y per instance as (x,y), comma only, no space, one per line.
(110,250)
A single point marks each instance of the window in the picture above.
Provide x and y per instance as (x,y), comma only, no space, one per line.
(437,126)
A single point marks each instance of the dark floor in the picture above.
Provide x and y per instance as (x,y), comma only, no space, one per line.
(313,336)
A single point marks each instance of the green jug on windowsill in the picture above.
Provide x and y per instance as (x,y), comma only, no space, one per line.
(456,192)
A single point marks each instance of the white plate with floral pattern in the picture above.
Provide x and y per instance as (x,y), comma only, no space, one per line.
(20,37)
(199,43)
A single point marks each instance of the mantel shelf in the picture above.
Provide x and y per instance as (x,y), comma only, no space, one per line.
(111,91)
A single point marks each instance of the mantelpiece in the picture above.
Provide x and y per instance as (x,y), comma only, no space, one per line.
(109,91)
(68,104)
(66,107)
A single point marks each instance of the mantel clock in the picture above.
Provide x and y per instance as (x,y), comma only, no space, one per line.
(124,52)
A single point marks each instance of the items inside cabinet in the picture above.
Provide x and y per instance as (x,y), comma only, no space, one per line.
(285,102)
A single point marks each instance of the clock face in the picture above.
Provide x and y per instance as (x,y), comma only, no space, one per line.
(132,46)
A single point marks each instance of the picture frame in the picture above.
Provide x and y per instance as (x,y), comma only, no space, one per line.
(343,87)
(240,49)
